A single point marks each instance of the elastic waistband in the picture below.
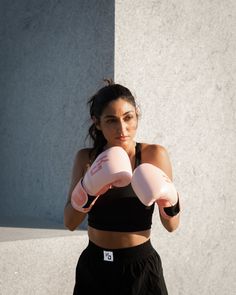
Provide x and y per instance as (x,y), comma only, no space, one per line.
(120,255)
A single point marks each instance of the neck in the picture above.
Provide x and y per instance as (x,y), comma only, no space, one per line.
(129,148)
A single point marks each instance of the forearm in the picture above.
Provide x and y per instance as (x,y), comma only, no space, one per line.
(170,216)
(72,217)
(172,223)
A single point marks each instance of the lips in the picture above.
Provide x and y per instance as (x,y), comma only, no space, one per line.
(122,138)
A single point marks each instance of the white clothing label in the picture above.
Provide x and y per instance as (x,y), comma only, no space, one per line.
(108,256)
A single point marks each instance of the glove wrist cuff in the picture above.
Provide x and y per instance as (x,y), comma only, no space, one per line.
(80,200)
(172,210)
(169,212)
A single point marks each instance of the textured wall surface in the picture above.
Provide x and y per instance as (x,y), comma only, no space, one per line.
(178,57)
(40,266)
(53,55)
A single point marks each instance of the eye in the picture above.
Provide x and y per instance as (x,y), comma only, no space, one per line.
(110,121)
(128,117)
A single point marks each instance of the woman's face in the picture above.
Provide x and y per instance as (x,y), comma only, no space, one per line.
(118,123)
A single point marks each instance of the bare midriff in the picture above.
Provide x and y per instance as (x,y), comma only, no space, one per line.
(117,240)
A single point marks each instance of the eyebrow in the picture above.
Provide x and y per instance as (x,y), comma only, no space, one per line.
(113,116)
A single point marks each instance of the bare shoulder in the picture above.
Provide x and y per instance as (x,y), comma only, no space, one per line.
(153,152)
(157,155)
(83,158)
(83,154)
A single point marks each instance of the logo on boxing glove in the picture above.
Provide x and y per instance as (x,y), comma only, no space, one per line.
(98,165)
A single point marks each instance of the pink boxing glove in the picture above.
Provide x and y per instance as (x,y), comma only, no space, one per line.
(151,184)
(111,168)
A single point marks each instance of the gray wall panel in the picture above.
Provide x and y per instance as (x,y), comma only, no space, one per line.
(54,55)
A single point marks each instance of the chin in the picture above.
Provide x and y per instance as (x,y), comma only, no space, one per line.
(125,144)
(122,143)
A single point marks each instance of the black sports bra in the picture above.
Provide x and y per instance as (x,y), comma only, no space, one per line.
(119,209)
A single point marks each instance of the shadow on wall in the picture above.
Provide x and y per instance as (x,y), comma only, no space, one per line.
(33,222)
(54,55)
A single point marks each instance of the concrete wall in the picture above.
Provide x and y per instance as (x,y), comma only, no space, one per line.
(42,265)
(54,54)
(179,59)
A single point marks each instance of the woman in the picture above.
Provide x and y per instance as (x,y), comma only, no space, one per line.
(119,258)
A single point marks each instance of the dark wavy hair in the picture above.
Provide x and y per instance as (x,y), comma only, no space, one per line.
(98,102)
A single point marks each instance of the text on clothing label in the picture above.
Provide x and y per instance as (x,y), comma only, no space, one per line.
(108,256)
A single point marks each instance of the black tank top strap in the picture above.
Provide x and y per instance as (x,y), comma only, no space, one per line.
(137,154)
(99,150)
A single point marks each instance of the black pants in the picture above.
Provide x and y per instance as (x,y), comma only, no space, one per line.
(130,271)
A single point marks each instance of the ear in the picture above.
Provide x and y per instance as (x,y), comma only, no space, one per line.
(96,122)
(138,111)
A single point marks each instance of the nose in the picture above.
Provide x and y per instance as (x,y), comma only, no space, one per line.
(121,127)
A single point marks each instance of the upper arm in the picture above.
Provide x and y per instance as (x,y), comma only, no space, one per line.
(158,156)
(81,161)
